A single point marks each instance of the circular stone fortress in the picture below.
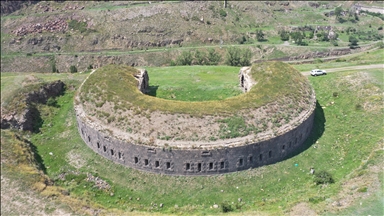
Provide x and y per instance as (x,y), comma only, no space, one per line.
(270,120)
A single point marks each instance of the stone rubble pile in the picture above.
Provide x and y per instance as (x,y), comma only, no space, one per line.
(57,25)
(99,183)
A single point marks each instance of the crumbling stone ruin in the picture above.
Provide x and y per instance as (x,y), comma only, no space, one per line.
(246,81)
(142,80)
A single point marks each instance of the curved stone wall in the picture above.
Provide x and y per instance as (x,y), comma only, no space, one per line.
(196,161)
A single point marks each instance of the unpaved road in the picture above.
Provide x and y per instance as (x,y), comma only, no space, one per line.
(361,67)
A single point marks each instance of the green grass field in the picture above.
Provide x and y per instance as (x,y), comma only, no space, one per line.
(370,57)
(200,83)
(348,128)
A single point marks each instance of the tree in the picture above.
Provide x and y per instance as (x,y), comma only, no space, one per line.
(260,35)
(73,69)
(245,58)
(185,58)
(200,57)
(298,38)
(338,11)
(238,57)
(284,35)
(352,42)
(213,58)
(54,69)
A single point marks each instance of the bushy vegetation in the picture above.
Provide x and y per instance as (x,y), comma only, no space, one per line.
(379,15)
(54,69)
(353,42)
(73,69)
(222,13)
(323,177)
(260,36)
(198,57)
(299,37)
(226,207)
(77,25)
(284,35)
(185,58)
(238,57)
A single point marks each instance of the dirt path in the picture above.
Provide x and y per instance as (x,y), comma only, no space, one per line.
(361,67)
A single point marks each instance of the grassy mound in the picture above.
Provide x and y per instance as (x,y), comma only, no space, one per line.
(116,85)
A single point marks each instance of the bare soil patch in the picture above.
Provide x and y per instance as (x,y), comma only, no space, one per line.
(16,200)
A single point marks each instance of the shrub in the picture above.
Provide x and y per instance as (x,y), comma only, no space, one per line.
(318,60)
(185,58)
(335,94)
(51,102)
(323,177)
(241,40)
(260,35)
(29,54)
(54,69)
(352,42)
(200,57)
(334,43)
(73,69)
(222,13)
(238,57)
(75,25)
(213,57)
(226,207)
(284,35)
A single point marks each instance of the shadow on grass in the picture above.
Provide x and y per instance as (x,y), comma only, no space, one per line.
(316,133)
(152,90)
(35,119)
(37,157)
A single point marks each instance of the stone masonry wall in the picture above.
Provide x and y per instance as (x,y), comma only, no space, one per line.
(194,161)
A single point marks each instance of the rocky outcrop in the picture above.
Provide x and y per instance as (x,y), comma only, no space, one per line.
(57,25)
(29,118)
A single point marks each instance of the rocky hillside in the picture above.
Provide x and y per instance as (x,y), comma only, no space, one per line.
(37,35)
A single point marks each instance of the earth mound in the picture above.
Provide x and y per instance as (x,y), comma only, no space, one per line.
(279,98)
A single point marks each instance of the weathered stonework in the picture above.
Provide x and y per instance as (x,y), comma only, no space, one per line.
(143,80)
(228,157)
(196,162)
(246,81)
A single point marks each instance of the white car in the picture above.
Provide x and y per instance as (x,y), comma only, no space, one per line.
(317,72)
